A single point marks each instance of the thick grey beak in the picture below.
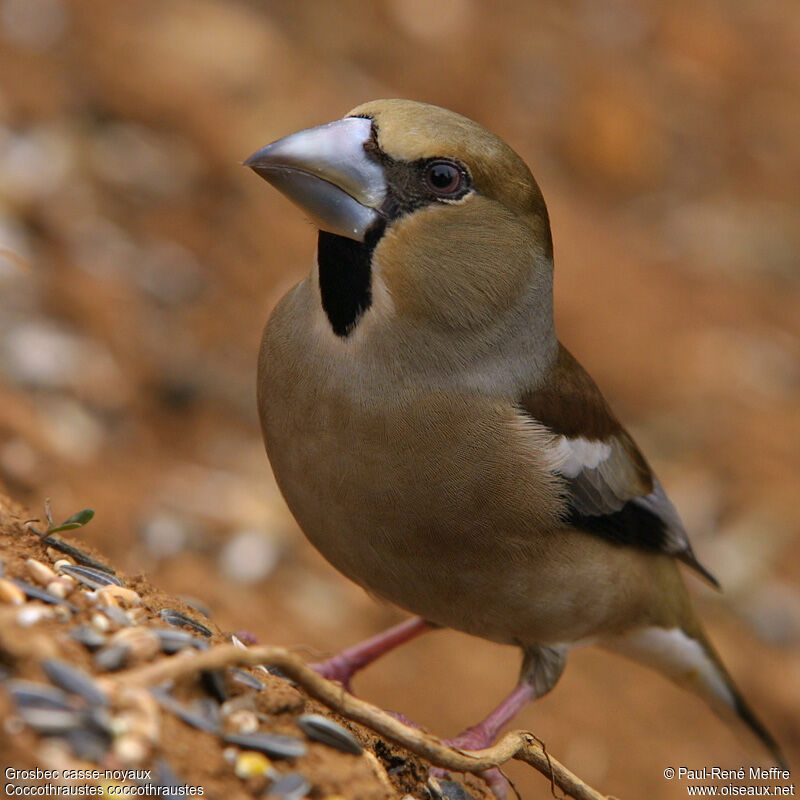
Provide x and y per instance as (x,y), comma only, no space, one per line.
(328,173)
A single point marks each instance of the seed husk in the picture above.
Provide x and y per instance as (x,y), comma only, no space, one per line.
(91,576)
(174,639)
(199,720)
(78,555)
(51,721)
(325,730)
(37,593)
(112,657)
(290,787)
(173,617)
(449,790)
(116,615)
(88,636)
(88,743)
(38,695)
(75,681)
(246,679)
(213,681)
(268,743)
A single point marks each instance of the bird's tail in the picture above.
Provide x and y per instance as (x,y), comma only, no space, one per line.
(689,659)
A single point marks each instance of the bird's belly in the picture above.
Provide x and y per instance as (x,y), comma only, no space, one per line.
(424,514)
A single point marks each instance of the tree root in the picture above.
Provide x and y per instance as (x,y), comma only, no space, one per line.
(518,745)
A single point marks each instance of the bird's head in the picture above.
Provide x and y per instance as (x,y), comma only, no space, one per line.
(444,214)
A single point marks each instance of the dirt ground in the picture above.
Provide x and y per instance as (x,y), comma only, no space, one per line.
(139,261)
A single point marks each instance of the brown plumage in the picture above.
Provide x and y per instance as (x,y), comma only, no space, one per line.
(432,437)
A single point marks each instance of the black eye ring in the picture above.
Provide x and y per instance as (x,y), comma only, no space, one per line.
(443,178)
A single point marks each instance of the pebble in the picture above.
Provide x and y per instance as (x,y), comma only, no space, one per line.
(34,613)
(242,721)
(131,749)
(325,730)
(250,764)
(101,622)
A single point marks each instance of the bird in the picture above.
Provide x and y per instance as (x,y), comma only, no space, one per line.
(433,438)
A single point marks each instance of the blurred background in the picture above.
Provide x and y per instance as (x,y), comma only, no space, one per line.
(139,262)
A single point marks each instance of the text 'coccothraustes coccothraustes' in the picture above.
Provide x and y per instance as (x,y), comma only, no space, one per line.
(432,437)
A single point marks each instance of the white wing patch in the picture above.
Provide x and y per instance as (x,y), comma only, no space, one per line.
(571,456)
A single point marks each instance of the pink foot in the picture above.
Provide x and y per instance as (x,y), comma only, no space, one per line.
(335,669)
(344,665)
(477,738)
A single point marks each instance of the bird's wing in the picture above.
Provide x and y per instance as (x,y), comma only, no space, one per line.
(611,490)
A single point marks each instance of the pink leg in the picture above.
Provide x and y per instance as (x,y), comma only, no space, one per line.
(344,665)
(485,732)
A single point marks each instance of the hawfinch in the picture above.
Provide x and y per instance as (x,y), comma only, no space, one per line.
(433,438)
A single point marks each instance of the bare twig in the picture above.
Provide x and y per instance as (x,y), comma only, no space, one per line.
(519,745)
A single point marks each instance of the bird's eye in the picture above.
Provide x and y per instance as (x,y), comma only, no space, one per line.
(443,178)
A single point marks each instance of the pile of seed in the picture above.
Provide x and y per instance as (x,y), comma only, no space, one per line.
(81,721)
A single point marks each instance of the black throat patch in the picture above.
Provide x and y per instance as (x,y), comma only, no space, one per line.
(345,278)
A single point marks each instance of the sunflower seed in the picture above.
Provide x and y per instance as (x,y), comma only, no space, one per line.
(325,730)
(450,790)
(78,555)
(112,658)
(117,615)
(246,679)
(201,720)
(88,744)
(214,683)
(94,578)
(267,743)
(73,680)
(51,721)
(38,695)
(173,639)
(37,593)
(290,787)
(88,636)
(179,620)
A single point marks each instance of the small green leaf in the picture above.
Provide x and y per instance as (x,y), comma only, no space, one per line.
(77,520)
